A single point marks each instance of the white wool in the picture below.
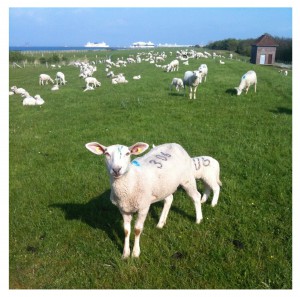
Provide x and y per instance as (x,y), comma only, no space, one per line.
(247,80)
(153,177)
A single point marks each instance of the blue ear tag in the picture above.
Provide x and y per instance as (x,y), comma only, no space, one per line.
(136,163)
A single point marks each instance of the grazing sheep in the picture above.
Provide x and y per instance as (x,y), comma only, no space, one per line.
(153,177)
(192,79)
(60,78)
(44,78)
(173,66)
(247,80)
(208,170)
(203,69)
(93,81)
(177,83)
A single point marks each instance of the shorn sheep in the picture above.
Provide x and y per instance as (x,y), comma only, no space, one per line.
(60,78)
(207,169)
(247,80)
(173,66)
(44,78)
(192,79)
(153,177)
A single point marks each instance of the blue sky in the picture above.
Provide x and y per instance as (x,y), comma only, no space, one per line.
(122,26)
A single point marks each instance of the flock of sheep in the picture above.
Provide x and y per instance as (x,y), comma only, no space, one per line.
(136,184)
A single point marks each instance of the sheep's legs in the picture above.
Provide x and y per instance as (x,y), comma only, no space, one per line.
(191,189)
(138,228)
(216,191)
(165,211)
(206,194)
(127,228)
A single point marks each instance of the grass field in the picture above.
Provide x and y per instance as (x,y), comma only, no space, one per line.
(64,231)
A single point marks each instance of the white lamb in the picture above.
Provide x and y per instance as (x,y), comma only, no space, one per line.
(177,83)
(208,170)
(173,66)
(39,100)
(93,81)
(29,100)
(192,79)
(153,177)
(222,62)
(19,91)
(55,88)
(120,79)
(44,78)
(247,80)
(60,78)
(136,77)
(203,69)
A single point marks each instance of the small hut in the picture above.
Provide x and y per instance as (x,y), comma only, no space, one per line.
(263,51)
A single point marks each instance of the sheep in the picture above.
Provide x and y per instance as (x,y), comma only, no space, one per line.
(88,88)
(120,79)
(55,88)
(222,62)
(177,83)
(208,170)
(203,69)
(93,81)
(45,78)
(39,100)
(29,100)
(173,66)
(137,77)
(60,78)
(153,177)
(192,79)
(247,80)
(18,90)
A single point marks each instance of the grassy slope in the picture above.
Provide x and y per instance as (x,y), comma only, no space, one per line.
(65,233)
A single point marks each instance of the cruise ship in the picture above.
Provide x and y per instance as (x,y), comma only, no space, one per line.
(142,44)
(96,44)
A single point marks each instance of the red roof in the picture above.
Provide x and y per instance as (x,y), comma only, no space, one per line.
(265,40)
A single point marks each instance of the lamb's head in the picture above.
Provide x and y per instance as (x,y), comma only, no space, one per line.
(117,156)
(238,91)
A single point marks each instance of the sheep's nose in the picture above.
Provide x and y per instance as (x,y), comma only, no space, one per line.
(117,171)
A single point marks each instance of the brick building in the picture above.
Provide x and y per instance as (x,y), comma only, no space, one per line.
(263,51)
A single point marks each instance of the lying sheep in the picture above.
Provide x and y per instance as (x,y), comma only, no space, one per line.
(44,78)
(208,170)
(29,100)
(19,91)
(55,88)
(136,77)
(247,80)
(153,177)
(120,79)
(177,83)
(192,79)
(39,100)
(93,81)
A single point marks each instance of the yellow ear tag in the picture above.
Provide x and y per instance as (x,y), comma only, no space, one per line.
(98,149)
(139,150)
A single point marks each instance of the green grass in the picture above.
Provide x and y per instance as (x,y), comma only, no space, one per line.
(64,231)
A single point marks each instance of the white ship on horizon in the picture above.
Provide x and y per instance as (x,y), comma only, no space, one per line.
(96,44)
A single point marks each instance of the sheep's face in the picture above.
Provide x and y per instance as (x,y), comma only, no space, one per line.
(238,91)
(117,156)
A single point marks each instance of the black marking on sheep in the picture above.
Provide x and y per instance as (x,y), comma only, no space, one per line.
(163,157)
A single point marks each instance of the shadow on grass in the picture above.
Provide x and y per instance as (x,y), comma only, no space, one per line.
(98,213)
(231,91)
(176,94)
(282,110)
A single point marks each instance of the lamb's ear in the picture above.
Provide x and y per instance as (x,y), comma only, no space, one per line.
(96,148)
(138,148)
